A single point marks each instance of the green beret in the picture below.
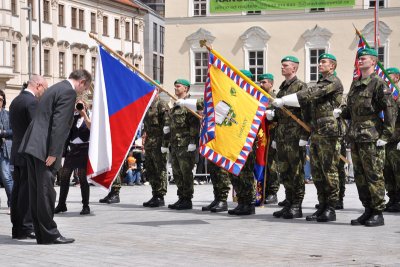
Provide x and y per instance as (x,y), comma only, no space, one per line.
(290,58)
(268,76)
(368,52)
(328,56)
(183,82)
(155,82)
(393,71)
(247,73)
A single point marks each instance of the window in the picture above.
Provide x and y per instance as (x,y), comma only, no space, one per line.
(93,66)
(199,7)
(155,61)
(105,26)
(61,64)
(200,66)
(161,69)
(257,12)
(127,31)
(73,17)
(314,55)
(74,62)
(136,33)
(46,11)
(318,9)
(162,36)
(116,28)
(372,3)
(33,59)
(155,37)
(92,22)
(381,54)
(46,62)
(14,57)
(256,63)
(81,19)
(14,7)
(61,21)
(81,62)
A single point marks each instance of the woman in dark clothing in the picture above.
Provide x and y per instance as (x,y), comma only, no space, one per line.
(76,156)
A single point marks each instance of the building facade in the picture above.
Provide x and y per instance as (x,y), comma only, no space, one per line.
(60,37)
(157,5)
(257,40)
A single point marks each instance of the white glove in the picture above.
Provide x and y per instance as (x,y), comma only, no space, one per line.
(270,114)
(191,147)
(337,112)
(164,150)
(190,103)
(302,142)
(278,102)
(398,146)
(273,144)
(166,129)
(380,142)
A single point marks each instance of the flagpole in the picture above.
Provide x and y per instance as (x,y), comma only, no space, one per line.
(91,35)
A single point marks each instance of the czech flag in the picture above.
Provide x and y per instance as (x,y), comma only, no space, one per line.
(120,101)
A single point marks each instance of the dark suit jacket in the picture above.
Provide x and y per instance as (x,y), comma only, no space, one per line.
(22,110)
(50,127)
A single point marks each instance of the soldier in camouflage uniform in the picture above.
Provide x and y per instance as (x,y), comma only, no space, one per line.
(319,101)
(291,140)
(368,133)
(155,142)
(267,82)
(391,171)
(184,129)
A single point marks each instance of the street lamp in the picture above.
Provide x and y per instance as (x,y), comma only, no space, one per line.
(29,8)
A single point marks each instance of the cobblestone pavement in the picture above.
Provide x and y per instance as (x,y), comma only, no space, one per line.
(126,234)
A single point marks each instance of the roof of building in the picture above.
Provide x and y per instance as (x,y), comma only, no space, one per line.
(129,3)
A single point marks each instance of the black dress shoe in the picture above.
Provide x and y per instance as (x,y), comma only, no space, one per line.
(211,205)
(293,212)
(156,202)
(363,218)
(314,216)
(60,208)
(328,215)
(220,207)
(271,199)
(30,235)
(376,219)
(85,210)
(63,240)
(184,205)
(283,203)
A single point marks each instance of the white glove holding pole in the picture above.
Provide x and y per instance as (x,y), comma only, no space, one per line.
(166,129)
(270,114)
(164,150)
(380,142)
(398,146)
(191,148)
(302,142)
(273,144)
(337,112)
(190,103)
(288,100)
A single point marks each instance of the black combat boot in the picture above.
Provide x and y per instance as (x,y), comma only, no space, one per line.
(209,206)
(271,199)
(361,220)
(339,205)
(394,208)
(186,204)
(147,203)
(220,207)
(105,199)
(328,215)
(279,213)
(246,209)
(314,216)
(114,198)
(376,219)
(173,206)
(293,212)
(389,204)
(237,208)
(155,202)
(283,203)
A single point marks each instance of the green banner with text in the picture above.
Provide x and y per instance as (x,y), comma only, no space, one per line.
(218,6)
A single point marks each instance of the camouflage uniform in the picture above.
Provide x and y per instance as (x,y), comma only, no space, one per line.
(366,99)
(319,102)
(290,156)
(155,161)
(220,181)
(391,170)
(342,174)
(184,131)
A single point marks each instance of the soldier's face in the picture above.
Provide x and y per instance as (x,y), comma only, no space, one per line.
(366,62)
(288,68)
(395,77)
(325,66)
(266,85)
(180,90)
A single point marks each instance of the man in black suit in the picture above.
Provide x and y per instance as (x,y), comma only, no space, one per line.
(43,145)
(22,110)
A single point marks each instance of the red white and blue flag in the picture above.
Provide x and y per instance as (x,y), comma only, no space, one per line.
(120,101)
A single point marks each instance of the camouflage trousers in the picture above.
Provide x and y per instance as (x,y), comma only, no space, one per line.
(290,162)
(244,184)
(324,155)
(368,161)
(116,185)
(156,171)
(272,175)
(341,171)
(391,171)
(220,181)
(182,165)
